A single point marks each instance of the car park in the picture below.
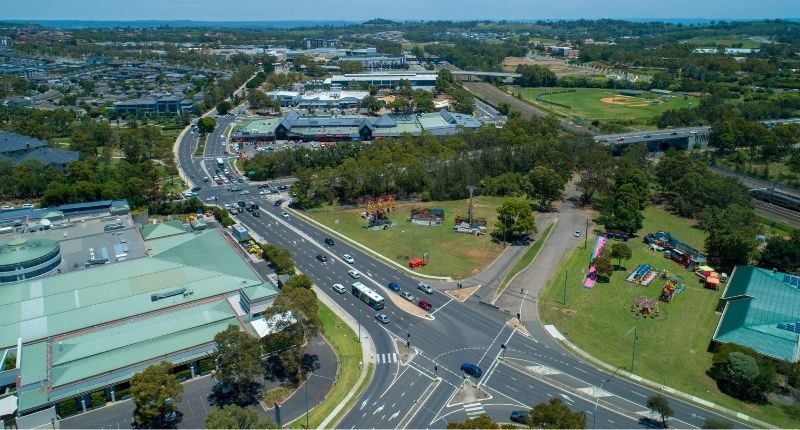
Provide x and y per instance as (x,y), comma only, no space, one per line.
(406,295)
(394,287)
(354,273)
(425,287)
(339,288)
(382,318)
(329,241)
(471,370)
(348,259)
(424,305)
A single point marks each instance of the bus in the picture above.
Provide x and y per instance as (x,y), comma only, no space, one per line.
(368,296)
(220,163)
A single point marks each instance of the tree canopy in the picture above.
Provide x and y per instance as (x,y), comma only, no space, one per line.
(237,417)
(514,218)
(556,414)
(238,362)
(155,393)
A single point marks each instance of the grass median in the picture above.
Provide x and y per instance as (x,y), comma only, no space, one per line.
(527,258)
(348,351)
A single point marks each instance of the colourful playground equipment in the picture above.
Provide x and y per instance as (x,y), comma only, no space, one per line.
(679,252)
(591,278)
(643,275)
(645,307)
(673,285)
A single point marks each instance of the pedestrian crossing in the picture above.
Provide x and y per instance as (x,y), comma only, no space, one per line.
(387,358)
(474,409)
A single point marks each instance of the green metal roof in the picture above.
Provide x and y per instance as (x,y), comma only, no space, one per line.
(203,263)
(25,249)
(762,312)
(162,229)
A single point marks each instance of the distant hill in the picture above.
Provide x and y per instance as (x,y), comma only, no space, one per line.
(77,24)
(381,21)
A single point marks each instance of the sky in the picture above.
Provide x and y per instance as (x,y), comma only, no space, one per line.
(355,10)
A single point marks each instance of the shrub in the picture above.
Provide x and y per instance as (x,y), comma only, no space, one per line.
(67,408)
(98,398)
(206,365)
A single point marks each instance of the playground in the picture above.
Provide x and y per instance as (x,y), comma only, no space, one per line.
(449,253)
(604,104)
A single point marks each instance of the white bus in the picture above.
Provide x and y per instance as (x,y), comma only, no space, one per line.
(368,296)
(220,163)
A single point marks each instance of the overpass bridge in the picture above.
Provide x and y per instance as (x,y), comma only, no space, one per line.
(659,140)
(477,73)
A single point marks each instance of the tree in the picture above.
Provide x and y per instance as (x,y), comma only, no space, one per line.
(258,99)
(621,251)
(623,212)
(731,237)
(596,169)
(604,266)
(555,414)
(237,417)
(302,303)
(444,80)
(224,107)
(660,405)
(744,376)
(781,254)
(298,281)
(238,361)
(514,218)
(546,185)
(206,124)
(716,423)
(372,104)
(155,392)
(536,76)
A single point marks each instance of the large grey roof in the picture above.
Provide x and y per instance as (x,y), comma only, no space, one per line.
(12,142)
(48,156)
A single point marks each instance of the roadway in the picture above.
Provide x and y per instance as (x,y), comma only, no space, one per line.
(423,391)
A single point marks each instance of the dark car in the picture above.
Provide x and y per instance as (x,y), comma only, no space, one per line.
(471,370)
(283,187)
(196,189)
(278,202)
(322,258)
(329,241)
(521,417)
(256,214)
(394,287)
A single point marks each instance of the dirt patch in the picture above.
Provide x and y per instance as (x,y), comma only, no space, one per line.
(462,294)
(513,322)
(406,354)
(407,306)
(557,66)
(469,392)
(627,101)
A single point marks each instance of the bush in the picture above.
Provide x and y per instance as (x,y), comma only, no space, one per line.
(122,393)
(67,408)
(98,398)
(184,374)
(277,395)
(206,365)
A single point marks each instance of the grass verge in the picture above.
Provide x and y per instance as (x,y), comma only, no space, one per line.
(672,349)
(457,255)
(277,395)
(348,350)
(201,146)
(526,259)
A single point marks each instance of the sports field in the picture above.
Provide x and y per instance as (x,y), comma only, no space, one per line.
(604,104)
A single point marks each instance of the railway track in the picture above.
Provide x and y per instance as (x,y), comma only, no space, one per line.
(778,213)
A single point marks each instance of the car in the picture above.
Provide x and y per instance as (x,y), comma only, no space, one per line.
(471,370)
(278,202)
(196,189)
(577,233)
(322,258)
(348,259)
(262,193)
(394,287)
(674,133)
(226,206)
(520,417)
(647,136)
(205,178)
(339,288)
(283,187)
(406,295)
(329,241)
(27,205)
(382,318)
(425,287)
(243,193)
(249,209)
(285,215)
(211,199)
(256,214)
(354,273)
(424,305)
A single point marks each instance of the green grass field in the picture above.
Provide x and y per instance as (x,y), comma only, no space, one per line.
(451,254)
(723,42)
(672,349)
(588,104)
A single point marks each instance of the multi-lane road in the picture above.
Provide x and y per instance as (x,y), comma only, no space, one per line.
(425,390)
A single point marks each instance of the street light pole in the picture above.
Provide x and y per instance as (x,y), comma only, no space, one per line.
(586,235)
(307,381)
(597,396)
(633,352)
(565,286)
(359,324)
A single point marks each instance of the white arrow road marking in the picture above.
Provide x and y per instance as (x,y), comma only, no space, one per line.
(394,415)
(378,410)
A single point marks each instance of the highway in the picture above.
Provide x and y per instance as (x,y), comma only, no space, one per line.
(423,392)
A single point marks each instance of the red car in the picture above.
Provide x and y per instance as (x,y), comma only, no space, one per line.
(424,305)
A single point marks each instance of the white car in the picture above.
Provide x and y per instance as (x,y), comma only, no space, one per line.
(354,273)
(285,215)
(339,288)
(211,199)
(226,206)
(577,233)
(348,259)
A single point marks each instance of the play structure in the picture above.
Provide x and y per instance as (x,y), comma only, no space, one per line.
(675,250)
(645,307)
(463,225)
(643,275)
(711,279)
(591,278)
(673,285)
(431,217)
(377,210)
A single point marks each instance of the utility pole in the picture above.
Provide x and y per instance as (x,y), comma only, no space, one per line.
(565,286)
(633,352)
(586,235)
(471,189)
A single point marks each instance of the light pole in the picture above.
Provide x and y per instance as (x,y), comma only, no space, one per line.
(359,324)
(310,375)
(565,286)
(597,396)
(633,351)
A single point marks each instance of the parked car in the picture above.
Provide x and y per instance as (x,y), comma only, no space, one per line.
(339,288)
(394,287)
(425,287)
(329,241)
(354,273)
(382,318)
(424,305)
(322,258)
(406,295)
(348,259)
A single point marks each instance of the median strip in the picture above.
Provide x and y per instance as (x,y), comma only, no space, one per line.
(527,259)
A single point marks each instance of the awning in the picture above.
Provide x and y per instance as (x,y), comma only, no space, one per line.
(8,405)
(705,269)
